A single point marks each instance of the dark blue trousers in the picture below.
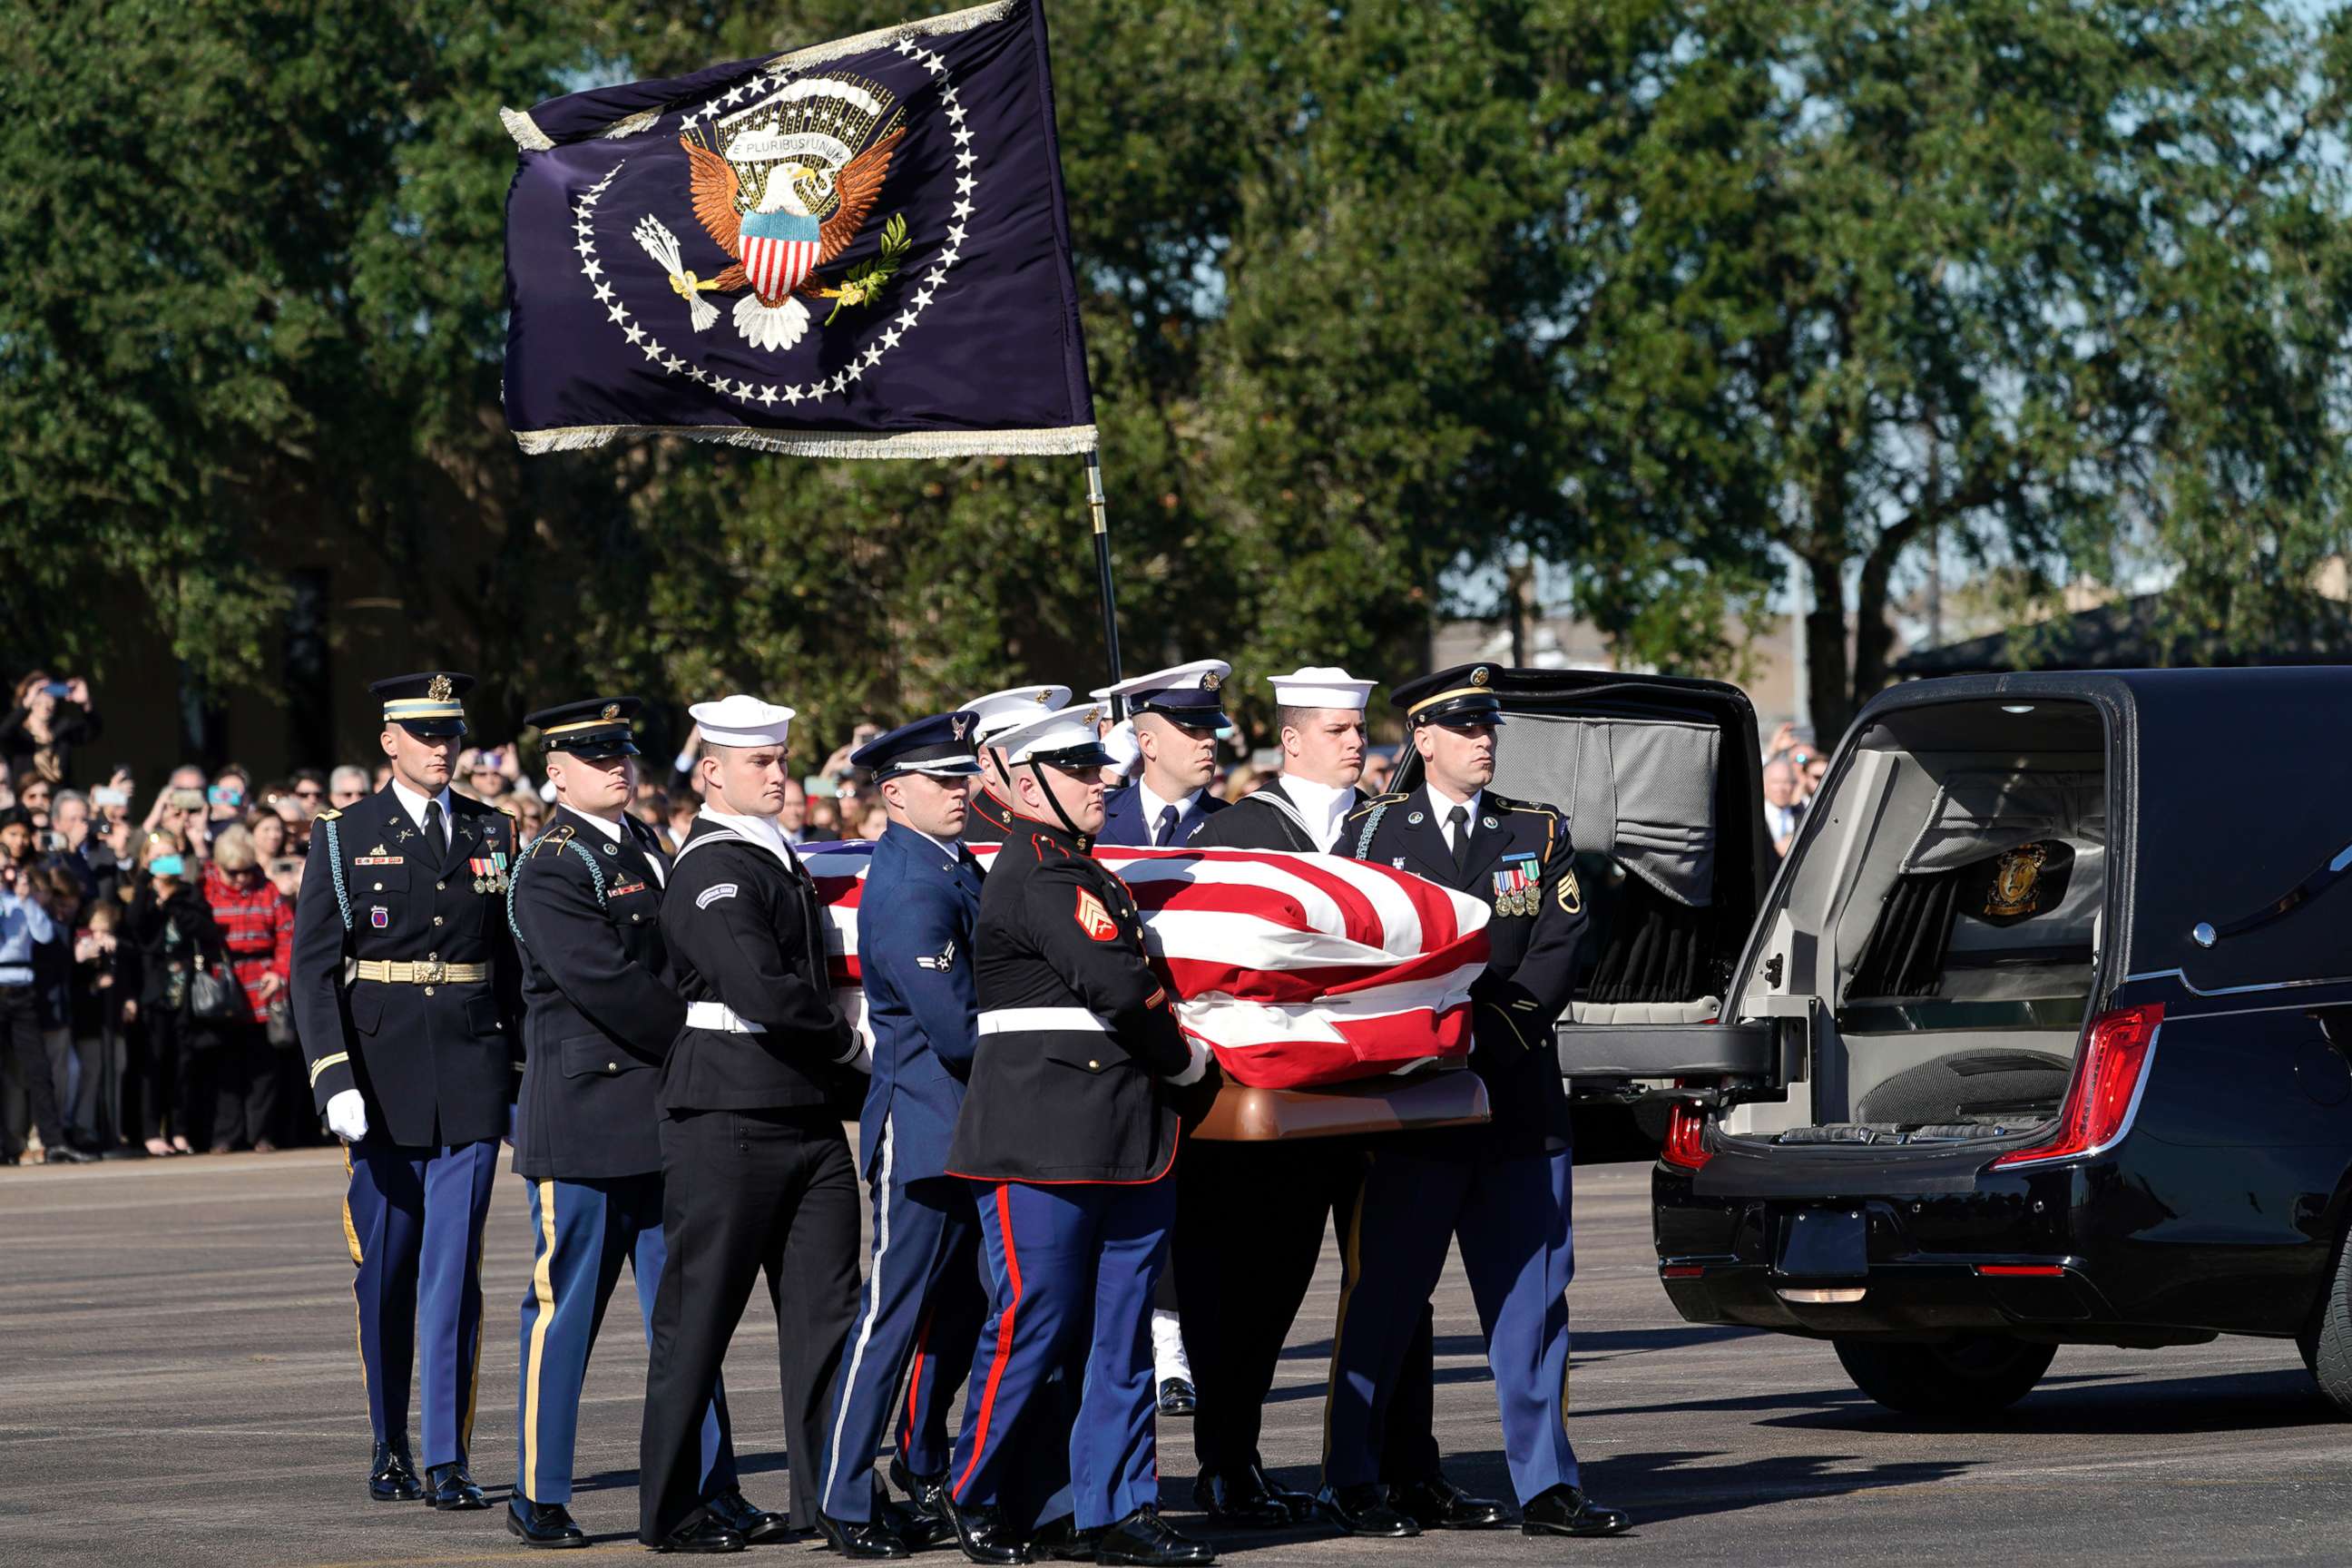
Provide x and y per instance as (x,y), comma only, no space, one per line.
(922,1304)
(413,1218)
(1071,1271)
(1510,1216)
(581,1231)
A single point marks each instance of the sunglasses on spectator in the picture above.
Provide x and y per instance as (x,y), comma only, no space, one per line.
(308,792)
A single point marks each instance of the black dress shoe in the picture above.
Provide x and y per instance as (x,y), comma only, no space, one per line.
(1143,1538)
(1364,1510)
(704,1533)
(1564,1510)
(449,1488)
(1061,1541)
(919,1527)
(393,1475)
(1177,1397)
(1438,1504)
(924,1491)
(756,1526)
(869,1539)
(982,1534)
(66,1154)
(1244,1499)
(543,1523)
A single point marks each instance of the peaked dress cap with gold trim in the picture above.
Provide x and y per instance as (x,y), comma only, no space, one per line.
(429,704)
(592,728)
(1462,698)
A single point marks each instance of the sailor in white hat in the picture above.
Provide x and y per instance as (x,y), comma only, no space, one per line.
(757,1172)
(1320,712)
(991,817)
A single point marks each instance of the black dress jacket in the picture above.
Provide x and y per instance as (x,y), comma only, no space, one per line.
(746,933)
(1520,865)
(1078,1042)
(435,1059)
(600,1006)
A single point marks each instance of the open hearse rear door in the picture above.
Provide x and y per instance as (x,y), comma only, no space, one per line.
(1659,777)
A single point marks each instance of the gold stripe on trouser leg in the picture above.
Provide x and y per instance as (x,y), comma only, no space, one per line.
(352,1240)
(1351,1265)
(542,1290)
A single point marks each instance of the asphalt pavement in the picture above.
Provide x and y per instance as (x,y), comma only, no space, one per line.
(178,1385)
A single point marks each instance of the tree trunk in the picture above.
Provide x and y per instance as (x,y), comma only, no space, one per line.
(1873,638)
(1825,664)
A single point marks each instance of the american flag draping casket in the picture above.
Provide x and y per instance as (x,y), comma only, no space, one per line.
(1295,970)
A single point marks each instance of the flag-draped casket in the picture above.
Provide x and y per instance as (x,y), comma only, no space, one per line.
(1295,970)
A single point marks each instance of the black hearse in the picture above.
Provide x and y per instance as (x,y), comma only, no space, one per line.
(2038,1038)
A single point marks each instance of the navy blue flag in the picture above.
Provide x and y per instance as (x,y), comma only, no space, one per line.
(857,249)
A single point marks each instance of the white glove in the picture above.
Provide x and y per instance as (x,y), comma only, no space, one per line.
(347,1115)
(1195,1068)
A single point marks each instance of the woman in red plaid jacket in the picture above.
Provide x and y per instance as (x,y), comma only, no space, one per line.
(256,926)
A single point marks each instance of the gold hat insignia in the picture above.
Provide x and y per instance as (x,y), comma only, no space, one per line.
(612,710)
(439,688)
(1479,676)
(1212,681)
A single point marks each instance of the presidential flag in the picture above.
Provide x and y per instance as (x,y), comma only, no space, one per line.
(1295,970)
(855,249)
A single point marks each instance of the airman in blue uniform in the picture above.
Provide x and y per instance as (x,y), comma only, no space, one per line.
(922,1302)
(1500,1191)
(405,994)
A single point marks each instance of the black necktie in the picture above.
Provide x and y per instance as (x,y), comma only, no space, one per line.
(1167,830)
(1458,819)
(436,832)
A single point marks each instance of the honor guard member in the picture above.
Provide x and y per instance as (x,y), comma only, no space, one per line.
(1248,1279)
(756,1174)
(1069,1127)
(991,817)
(599,1011)
(1174,717)
(407,1000)
(1500,1191)
(923,1300)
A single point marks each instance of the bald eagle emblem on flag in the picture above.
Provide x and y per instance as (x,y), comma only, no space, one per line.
(784,184)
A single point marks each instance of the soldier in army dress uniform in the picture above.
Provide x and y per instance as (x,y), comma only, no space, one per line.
(1500,1191)
(406,997)
(602,1008)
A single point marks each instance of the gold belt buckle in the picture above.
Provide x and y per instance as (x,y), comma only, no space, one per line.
(433,974)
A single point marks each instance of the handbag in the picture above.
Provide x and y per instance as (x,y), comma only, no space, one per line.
(280,1027)
(214,995)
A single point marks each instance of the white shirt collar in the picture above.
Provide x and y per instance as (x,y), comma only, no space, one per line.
(413,803)
(1441,807)
(611,830)
(1152,805)
(1325,806)
(950,847)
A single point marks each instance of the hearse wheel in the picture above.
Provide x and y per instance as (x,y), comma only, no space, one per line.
(1953,1380)
(2326,1337)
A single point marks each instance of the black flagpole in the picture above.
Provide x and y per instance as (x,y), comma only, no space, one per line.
(1102,575)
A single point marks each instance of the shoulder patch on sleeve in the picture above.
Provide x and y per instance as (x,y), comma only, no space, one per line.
(939,963)
(1094,920)
(713,893)
(328,815)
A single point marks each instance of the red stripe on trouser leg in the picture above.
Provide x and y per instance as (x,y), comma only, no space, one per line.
(915,1384)
(1003,1338)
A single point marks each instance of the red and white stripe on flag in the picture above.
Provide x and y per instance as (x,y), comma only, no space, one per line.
(777,267)
(1297,970)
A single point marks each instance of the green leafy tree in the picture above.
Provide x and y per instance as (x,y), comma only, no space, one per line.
(2066,286)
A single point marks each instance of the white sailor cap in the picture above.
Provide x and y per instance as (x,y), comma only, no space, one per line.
(1065,738)
(1320,685)
(1184,693)
(741,721)
(1000,711)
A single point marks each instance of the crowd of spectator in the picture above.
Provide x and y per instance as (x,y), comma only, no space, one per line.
(146,932)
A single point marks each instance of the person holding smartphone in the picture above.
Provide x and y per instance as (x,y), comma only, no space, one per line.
(25,925)
(48,720)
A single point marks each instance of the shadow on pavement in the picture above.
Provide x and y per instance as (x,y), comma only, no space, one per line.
(1656,1488)
(2103,1406)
